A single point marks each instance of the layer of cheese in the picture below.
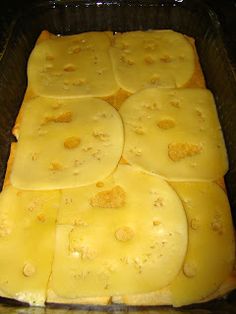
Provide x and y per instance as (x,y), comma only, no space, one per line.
(27,238)
(72,66)
(118,236)
(66,143)
(174,133)
(162,58)
(211,248)
(210,255)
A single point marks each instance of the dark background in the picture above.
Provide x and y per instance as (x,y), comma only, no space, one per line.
(225,9)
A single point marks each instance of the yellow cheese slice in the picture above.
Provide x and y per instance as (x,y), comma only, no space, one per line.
(126,234)
(174,133)
(72,66)
(66,143)
(211,247)
(162,58)
(27,235)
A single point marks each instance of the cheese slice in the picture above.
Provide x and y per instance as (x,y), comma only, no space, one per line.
(72,66)
(118,237)
(160,58)
(27,235)
(66,143)
(211,248)
(174,133)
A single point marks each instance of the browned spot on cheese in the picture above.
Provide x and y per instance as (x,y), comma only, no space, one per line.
(72,142)
(99,184)
(123,161)
(139,130)
(32,205)
(28,270)
(41,217)
(152,106)
(149,59)
(49,57)
(200,115)
(178,151)
(154,79)
(189,270)
(64,117)
(56,166)
(166,58)
(166,124)
(34,156)
(126,60)
(217,225)
(114,198)
(194,223)
(74,49)
(175,103)
(156,222)
(69,67)
(124,234)
(158,202)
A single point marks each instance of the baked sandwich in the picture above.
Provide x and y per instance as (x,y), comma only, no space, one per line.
(114,191)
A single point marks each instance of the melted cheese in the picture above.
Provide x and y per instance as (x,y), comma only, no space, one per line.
(161,58)
(211,247)
(72,66)
(174,133)
(66,143)
(111,247)
(27,234)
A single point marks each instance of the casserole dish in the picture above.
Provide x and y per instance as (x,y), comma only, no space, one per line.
(70,17)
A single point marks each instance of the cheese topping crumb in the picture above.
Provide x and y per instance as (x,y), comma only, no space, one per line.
(64,117)
(114,198)
(72,142)
(124,234)
(28,270)
(166,124)
(178,151)
(189,270)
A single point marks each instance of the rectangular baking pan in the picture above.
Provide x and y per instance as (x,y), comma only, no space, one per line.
(192,18)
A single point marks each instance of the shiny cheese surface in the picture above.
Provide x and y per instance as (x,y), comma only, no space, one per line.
(118,237)
(162,58)
(27,238)
(72,66)
(174,133)
(211,248)
(66,143)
